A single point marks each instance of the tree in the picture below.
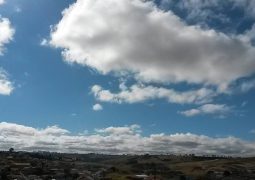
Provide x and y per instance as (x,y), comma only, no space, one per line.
(11,150)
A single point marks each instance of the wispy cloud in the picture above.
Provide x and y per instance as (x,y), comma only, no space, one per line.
(6,33)
(252,131)
(18,9)
(204,11)
(247,85)
(219,110)
(6,86)
(44,42)
(140,93)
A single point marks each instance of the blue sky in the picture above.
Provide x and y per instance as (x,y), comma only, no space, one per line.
(60,65)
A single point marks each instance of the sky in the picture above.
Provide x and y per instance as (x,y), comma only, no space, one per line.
(147,76)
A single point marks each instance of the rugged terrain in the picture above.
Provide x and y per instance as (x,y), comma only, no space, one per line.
(45,165)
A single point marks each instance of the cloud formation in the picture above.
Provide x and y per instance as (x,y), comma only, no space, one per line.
(206,10)
(153,44)
(44,42)
(247,85)
(97,107)
(6,33)
(215,109)
(1,2)
(6,86)
(140,93)
(118,140)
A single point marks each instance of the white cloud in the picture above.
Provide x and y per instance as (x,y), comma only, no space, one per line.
(6,33)
(97,107)
(44,42)
(215,109)
(158,46)
(118,140)
(133,129)
(6,86)
(140,93)
(2,2)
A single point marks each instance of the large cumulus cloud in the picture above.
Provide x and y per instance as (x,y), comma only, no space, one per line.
(118,140)
(155,45)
